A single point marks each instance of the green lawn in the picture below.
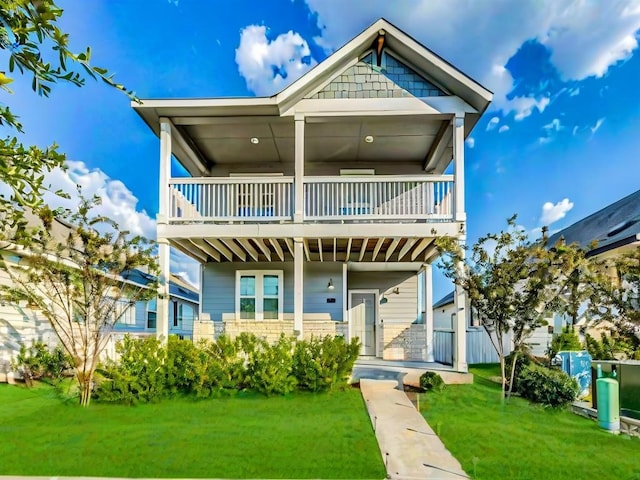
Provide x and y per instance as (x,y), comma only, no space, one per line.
(299,436)
(524,441)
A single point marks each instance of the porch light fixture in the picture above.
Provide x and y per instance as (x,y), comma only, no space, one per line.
(255,140)
(330,284)
(368,139)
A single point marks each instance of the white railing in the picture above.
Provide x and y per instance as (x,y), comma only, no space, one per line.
(231,199)
(346,198)
(379,197)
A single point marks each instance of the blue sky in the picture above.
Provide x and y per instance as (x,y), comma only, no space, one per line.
(559,142)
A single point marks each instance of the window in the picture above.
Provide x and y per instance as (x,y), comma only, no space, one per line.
(128,316)
(151,313)
(259,295)
(181,312)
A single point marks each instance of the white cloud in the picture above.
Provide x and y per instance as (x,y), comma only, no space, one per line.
(269,66)
(574,91)
(606,35)
(551,212)
(118,204)
(503,128)
(597,126)
(471,142)
(493,123)
(553,126)
(524,106)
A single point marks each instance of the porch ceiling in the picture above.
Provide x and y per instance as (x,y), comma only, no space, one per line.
(228,140)
(368,250)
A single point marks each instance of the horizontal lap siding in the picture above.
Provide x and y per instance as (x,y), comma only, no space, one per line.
(400,308)
(218,287)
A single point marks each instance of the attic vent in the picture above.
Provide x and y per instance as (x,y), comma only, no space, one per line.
(621,227)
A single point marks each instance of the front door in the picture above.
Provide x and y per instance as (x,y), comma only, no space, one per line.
(363,320)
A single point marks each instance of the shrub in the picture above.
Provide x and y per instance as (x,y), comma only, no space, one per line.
(552,388)
(38,362)
(269,367)
(432,381)
(567,340)
(138,376)
(182,366)
(324,363)
(524,360)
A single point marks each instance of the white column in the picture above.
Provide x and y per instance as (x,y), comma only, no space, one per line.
(460,327)
(298,279)
(458,168)
(428,309)
(345,300)
(299,169)
(162,308)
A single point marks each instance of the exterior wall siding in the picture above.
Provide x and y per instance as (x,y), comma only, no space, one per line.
(392,80)
(218,287)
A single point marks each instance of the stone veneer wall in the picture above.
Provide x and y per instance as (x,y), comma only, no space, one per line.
(270,330)
(402,342)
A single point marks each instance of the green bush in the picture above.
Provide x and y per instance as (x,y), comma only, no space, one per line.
(524,360)
(269,367)
(138,376)
(39,362)
(567,340)
(324,363)
(432,382)
(552,388)
(146,371)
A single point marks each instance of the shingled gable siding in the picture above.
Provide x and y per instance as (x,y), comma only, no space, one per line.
(394,79)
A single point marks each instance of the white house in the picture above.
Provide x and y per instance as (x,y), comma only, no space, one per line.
(24,324)
(315,211)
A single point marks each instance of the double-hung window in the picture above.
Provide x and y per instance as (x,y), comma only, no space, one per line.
(259,295)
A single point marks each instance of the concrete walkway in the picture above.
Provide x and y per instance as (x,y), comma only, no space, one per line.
(410,449)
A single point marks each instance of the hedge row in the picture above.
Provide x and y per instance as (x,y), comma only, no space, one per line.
(146,371)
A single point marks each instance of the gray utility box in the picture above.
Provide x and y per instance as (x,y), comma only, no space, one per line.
(627,372)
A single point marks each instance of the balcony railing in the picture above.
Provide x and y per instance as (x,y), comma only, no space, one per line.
(328,199)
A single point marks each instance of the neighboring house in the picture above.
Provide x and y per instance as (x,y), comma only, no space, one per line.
(315,211)
(615,229)
(23,325)
(605,234)
(479,346)
(140,319)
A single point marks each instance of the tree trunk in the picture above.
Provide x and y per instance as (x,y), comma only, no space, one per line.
(84,382)
(503,375)
(513,372)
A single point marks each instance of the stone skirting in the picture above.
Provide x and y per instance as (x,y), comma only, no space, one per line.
(270,330)
(402,342)
(628,426)
(395,341)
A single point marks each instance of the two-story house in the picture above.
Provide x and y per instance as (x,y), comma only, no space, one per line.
(315,211)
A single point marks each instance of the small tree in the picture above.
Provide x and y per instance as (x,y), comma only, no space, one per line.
(76,274)
(510,281)
(616,300)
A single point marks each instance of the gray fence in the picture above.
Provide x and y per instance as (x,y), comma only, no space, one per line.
(479,346)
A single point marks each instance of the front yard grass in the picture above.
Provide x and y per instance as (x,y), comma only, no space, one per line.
(248,436)
(524,441)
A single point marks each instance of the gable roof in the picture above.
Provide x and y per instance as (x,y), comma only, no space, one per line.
(615,226)
(424,61)
(446,300)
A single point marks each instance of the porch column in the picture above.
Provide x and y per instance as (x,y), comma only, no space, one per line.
(298,189)
(428,309)
(298,278)
(162,307)
(458,169)
(460,327)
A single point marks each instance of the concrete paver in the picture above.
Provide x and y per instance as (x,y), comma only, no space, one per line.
(410,449)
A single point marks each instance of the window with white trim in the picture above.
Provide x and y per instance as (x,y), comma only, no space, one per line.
(128,316)
(259,294)
(152,306)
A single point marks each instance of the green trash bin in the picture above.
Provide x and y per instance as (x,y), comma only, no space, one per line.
(608,404)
